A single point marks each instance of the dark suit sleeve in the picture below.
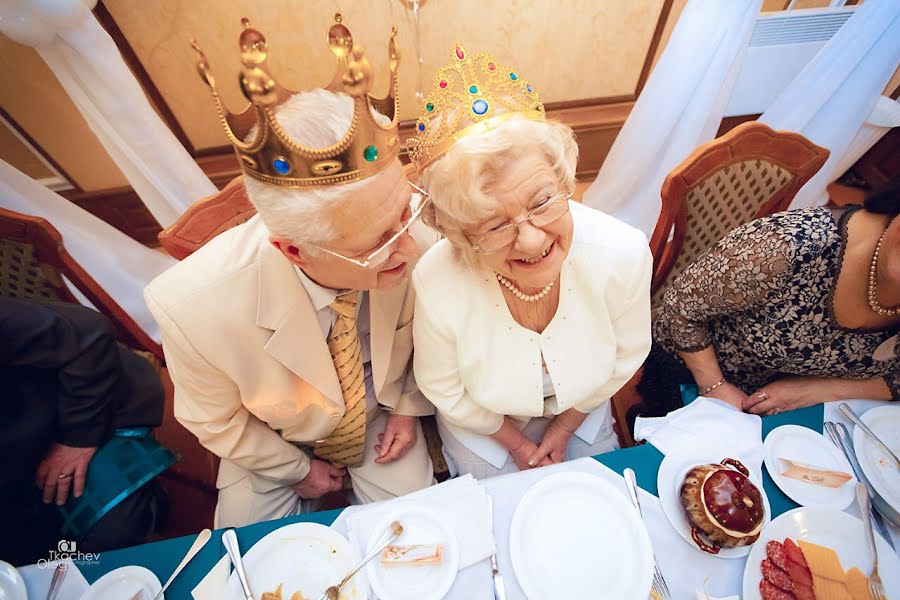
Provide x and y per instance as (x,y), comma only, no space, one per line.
(78,346)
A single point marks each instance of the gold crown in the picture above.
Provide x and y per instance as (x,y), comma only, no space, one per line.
(272,156)
(470,95)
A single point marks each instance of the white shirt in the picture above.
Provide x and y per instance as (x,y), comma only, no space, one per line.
(476,364)
(321,298)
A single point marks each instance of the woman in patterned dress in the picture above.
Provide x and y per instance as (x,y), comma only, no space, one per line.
(784,312)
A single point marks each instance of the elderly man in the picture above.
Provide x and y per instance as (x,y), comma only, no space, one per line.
(289,337)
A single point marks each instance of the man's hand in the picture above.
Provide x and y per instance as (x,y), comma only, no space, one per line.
(70,463)
(322,479)
(398,437)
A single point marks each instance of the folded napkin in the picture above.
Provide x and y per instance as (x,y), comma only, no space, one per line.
(37,581)
(461,502)
(706,426)
(212,587)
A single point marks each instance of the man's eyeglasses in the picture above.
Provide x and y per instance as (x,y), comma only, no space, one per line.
(540,216)
(379,257)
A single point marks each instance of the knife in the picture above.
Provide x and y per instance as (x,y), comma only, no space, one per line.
(841,438)
(499,587)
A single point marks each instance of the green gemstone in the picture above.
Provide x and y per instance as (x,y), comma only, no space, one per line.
(370,153)
(473,89)
(429,107)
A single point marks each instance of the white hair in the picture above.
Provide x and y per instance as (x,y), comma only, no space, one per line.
(317,119)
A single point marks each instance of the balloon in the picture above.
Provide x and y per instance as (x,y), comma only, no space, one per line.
(20,26)
(60,14)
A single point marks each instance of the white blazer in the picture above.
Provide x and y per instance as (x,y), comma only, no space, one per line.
(477,365)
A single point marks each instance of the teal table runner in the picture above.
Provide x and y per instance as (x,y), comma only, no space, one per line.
(163,557)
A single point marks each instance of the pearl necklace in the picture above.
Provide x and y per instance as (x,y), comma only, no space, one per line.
(522,295)
(873,299)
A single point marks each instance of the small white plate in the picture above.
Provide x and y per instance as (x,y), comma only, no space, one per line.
(124,583)
(575,535)
(305,557)
(423,582)
(672,471)
(837,530)
(803,445)
(879,468)
(12,587)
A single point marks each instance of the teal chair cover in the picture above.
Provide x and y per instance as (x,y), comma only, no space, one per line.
(120,467)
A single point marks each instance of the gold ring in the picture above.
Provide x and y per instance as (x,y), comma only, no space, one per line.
(64,476)
(762,395)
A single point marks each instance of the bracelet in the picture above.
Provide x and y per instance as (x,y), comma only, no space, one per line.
(717,384)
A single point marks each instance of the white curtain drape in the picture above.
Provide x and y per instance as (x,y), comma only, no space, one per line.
(680,108)
(88,65)
(122,266)
(830,101)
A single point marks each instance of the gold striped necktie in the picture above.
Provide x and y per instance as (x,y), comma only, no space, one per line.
(346,443)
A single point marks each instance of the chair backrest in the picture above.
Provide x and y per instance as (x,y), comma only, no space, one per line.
(33,262)
(750,172)
(206,218)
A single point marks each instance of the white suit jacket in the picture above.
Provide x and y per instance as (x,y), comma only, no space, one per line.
(477,365)
(251,368)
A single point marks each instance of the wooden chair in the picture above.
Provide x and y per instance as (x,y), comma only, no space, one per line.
(34,261)
(750,172)
(207,218)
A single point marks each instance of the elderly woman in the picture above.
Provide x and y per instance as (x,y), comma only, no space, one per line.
(786,311)
(535,309)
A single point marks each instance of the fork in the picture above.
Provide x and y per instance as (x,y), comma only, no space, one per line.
(659,582)
(865,510)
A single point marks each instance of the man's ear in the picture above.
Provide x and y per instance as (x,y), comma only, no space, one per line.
(291,251)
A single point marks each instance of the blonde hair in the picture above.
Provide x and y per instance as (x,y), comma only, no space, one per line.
(459,180)
(318,119)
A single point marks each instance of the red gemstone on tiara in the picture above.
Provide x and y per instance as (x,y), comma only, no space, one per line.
(459,53)
(492,66)
(443,84)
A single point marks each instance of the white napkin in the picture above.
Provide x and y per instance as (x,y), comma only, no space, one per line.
(461,502)
(706,425)
(37,581)
(212,587)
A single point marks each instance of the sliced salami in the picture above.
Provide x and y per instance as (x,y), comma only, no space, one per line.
(771,592)
(775,552)
(776,576)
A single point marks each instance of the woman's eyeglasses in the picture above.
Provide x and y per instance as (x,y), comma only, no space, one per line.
(539,216)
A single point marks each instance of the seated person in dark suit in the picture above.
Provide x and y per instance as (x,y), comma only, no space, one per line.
(71,408)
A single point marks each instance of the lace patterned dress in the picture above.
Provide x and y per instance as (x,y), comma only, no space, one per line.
(763,297)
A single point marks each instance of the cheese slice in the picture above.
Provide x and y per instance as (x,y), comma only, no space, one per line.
(858,585)
(829,579)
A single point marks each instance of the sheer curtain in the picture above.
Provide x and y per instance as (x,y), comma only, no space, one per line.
(121,265)
(835,101)
(88,65)
(680,108)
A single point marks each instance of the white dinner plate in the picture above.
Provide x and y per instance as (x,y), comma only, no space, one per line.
(574,535)
(424,582)
(12,587)
(879,468)
(803,445)
(306,558)
(124,583)
(837,530)
(672,471)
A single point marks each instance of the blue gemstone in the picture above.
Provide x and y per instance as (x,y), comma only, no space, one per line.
(479,107)
(528,87)
(513,76)
(282,166)
(421,126)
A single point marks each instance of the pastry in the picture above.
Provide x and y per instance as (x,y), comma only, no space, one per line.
(723,505)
